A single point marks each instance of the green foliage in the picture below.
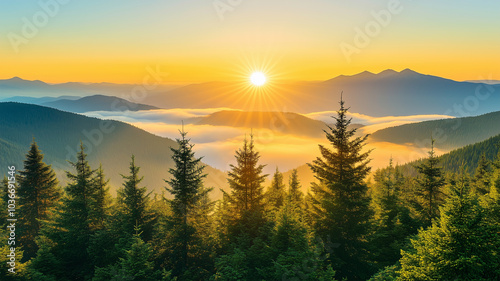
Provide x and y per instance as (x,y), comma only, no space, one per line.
(392,221)
(428,194)
(469,155)
(20,271)
(333,231)
(187,251)
(74,222)
(340,201)
(298,257)
(461,245)
(482,177)
(135,265)
(246,199)
(133,205)
(100,206)
(38,194)
(389,273)
(45,266)
(231,267)
(276,193)
(295,194)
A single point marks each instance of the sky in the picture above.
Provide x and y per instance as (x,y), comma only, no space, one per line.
(223,40)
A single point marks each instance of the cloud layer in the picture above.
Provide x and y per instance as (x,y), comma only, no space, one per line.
(217,144)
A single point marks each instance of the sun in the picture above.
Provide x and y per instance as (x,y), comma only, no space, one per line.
(258,78)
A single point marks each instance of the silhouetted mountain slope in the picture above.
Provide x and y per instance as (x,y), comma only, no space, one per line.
(282,122)
(97,103)
(387,93)
(38,101)
(449,133)
(111,143)
(19,87)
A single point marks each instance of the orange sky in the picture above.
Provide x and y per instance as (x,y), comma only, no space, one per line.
(92,41)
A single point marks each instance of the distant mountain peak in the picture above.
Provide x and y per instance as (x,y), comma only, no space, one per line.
(387,71)
(408,71)
(365,73)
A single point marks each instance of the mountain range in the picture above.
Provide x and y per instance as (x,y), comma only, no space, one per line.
(386,93)
(97,103)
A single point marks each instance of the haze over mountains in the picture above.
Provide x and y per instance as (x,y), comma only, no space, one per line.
(386,93)
(19,87)
(96,103)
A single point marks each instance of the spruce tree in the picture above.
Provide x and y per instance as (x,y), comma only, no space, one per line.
(247,196)
(75,221)
(102,200)
(295,194)
(190,203)
(134,206)
(340,201)
(38,194)
(276,193)
(460,245)
(429,193)
(482,176)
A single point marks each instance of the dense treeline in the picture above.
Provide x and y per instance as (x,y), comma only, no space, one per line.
(467,157)
(432,226)
(450,133)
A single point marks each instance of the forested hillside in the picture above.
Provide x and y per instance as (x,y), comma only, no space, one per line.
(448,133)
(434,225)
(109,142)
(467,157)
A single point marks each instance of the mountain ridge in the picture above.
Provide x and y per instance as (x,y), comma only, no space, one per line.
(109,142)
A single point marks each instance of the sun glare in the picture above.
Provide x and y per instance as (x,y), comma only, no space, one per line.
(258,78)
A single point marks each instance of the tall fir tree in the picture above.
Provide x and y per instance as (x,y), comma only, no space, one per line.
(38,194)
(247,193)
(340,201)
(460,245)
(429,194)
(134,205)
(295,194)
(74,223)
(276,193)
(102,200)
(190,203)
(482,176)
